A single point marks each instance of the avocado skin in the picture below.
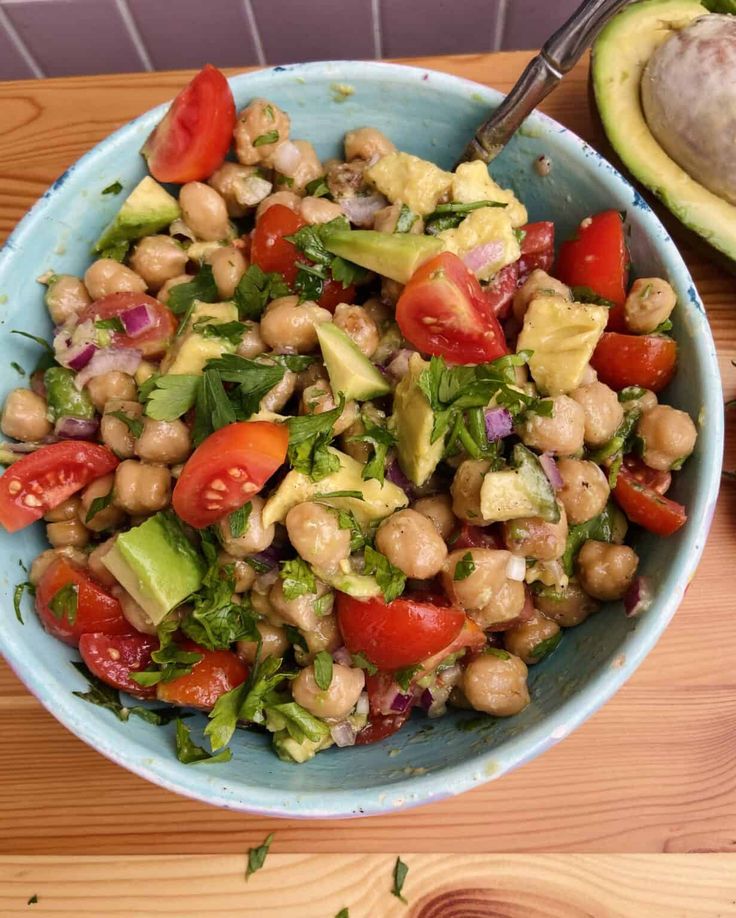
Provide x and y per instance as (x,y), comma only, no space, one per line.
(146,210)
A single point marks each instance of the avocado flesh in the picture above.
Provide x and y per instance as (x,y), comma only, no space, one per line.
(412,423)
(360,586)
(192,350)
(512,494)
(620,55)
(393,255)
(146,210)
(351,372)
(156,564)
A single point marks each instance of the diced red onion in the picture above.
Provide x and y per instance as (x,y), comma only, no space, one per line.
(639,597)
(361,209)
(401,703)
(546,460)
(30,447)
(363,705)
(426,699)
(114,359)
(68,428)
(498,424)
(342,656)
(483,255)
(343,734)
(270,556)
(516,568)
(286,158)
(395,475)
(138,320)
(398,366)
(252,190)
(78,356)
(37,383)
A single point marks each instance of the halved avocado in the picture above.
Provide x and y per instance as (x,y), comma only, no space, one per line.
(620,55)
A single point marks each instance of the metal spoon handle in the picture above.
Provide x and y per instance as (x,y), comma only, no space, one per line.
(558,55)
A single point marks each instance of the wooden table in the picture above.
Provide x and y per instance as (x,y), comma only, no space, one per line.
(654,771)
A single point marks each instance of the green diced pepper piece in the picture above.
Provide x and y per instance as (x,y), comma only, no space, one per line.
(63,397)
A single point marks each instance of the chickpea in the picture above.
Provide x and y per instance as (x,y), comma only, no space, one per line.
(603,412)
(410,542)
(158,259)
(379,312)
(487,594)
(42,562)
(241,187)
(367,143)
(438,511)
(141,488)
(101,389)
(273,643)
(24,416)
(288,324)
(135,615)
(358,326)
(568,607)
(562,433)
(337,700)
(115,433)
(386,220)
(523,639)
(326,636)
(539,283)
(244,574)
(496,685)
(106,276)
(66,297)
(68,510)
(465,490)
(606,571)
(319,210)
(228,266)
(585,490)
(286,198)
(300,611)
(669,437)
(255,538)
(533,537)
(251,344)
(204,211)
(315,533)
(164,441)
(258,119)
(163,293)
(67,532)
(96,566)
(318,398)
(644,402)
(109,517)
(276,398)
(650,303)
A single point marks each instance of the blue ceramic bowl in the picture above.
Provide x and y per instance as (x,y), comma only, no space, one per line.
(432,115)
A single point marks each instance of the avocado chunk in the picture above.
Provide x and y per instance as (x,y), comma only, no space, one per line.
(156,564)
(524,490)
(471,182)
(393,255)
(361,586)
(487,226)
(63,397)
(379,500)
(562,337)
(412,423)
(415,182)
(289,750)
(191,351)
(350,371)
(146,210)
(620,56)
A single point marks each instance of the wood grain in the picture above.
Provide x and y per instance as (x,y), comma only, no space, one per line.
(653,771)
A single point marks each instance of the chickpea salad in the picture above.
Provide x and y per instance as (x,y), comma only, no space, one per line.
(319,443)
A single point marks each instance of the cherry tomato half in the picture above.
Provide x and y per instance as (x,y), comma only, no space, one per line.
(44,479)
(396,634)
(537,248)
(380,687)
(216,673)
(113,657)
(442,311)
(500,292)
(654,479)
(647,508)
(193,137)
(598,258)
(152,342)
(70,603)
(649,361)
(225,471)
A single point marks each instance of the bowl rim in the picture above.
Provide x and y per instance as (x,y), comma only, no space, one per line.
(483,766)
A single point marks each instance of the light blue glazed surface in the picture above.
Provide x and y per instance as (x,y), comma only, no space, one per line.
(432,115)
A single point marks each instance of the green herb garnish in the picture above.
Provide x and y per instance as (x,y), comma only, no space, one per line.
(464,567)
(189,753)
(400,872)
(323,670)
(257,856)
(389,578)
(115,188)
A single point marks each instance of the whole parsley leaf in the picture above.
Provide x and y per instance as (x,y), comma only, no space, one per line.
(171,396)
(381,439)
(400,872)
(189,753)
(255,291)
(255,379)
(257,856)
(182,297)
(298,578)
(264,680)
(389,578)
(309,437)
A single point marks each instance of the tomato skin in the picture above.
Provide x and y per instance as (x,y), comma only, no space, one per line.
(646,507)
(47,477)
(500,292)
(97,611)
(654,479)
(649,361)
(333,293)
(193,137)
(397,634)
(537,248)
(243,456)
(598,258)
(113,657)
(380,725)
(154,341)
(442,311)
(217,673)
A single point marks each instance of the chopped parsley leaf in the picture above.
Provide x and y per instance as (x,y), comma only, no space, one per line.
(189,753)
(389,578)
(268,137)
(115,188)
(464,567)
(257,856)
(400,872)
(323,670)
